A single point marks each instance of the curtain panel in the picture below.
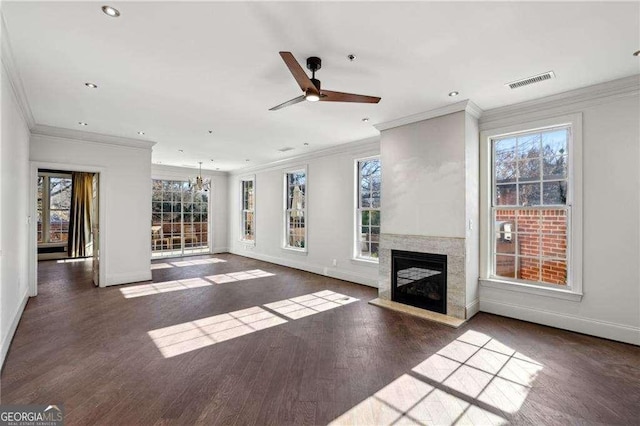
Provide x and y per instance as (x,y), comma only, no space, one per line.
(81,215)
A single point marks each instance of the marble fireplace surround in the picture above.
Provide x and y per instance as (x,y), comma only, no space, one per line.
(453,248)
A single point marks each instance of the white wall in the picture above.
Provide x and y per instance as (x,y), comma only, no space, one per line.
(14,190)
(472,178)
(423,191)
(218,207)
(610,306)
(330,214)
(125,193)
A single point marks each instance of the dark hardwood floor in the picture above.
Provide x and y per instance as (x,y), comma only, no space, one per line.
(110,357)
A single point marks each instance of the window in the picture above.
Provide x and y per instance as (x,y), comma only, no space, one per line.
(369,180)
(248,210)
(179,220)
(54,208)
(296,210)
(531,211)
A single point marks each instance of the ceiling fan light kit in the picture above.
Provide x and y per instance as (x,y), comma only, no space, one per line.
(311,86)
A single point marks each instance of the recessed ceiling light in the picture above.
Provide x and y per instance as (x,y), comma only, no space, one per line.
(181,150)
(210,131)
(454,93)
(110,11)
(91,85)
(636,53)
(306,144)
(212,159)
(351,57)
(366,119)
(247,160)
(82,123)
(141,133)
(217,168)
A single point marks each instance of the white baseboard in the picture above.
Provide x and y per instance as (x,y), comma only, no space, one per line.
(473,308)
(126,278)
(608,330)
(6,342)
(316,269)
(351,276)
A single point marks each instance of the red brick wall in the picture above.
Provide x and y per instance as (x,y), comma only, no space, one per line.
(538,232)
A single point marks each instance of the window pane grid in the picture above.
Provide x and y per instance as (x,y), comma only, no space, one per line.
(530,210)
(368,208)
(531,244)
(179,220)
(248,217)
(295,209)
(53,208)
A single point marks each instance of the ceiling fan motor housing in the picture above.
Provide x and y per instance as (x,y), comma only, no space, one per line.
(314,63)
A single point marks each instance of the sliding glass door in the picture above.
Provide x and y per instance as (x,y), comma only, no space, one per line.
(180,219)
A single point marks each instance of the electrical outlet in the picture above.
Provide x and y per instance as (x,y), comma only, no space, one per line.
(335,262)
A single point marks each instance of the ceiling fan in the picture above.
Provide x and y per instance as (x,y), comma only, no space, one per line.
(311,86)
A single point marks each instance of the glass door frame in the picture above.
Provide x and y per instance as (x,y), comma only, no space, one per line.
(182,250)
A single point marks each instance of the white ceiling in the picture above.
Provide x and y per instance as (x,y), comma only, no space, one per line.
(176,70)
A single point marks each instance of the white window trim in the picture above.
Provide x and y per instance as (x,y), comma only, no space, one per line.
(251,178)
(179,177)
(573,289)
(356,258)
(176,173)
(285,236)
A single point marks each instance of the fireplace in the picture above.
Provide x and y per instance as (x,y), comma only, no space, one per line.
(419,279)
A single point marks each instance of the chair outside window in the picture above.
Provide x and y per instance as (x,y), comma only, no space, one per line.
(157,237)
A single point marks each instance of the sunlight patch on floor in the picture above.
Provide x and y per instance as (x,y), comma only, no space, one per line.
(178,253)
(189,336)
(182,263)
(186,337)
(239,276)
(473,380)
(302,306)
(163,287)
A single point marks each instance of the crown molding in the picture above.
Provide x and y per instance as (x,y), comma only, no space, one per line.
(356,147)
(181,171)
(9,65)
(466,105)
(82,136)
(566,101)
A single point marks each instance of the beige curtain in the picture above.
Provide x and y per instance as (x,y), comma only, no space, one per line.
(81,211)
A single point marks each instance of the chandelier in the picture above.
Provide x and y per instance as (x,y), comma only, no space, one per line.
(198,183)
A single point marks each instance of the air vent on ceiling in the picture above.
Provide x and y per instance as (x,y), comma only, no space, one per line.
(531,80)
(285,149)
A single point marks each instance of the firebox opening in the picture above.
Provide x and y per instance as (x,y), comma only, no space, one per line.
(419,279)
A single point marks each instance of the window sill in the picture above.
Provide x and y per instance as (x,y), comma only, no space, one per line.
(62,244)
(366,262)
(531,289)
(301,252)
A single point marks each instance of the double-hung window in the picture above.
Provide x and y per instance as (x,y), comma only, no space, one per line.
(369,180)
(248,210)
(295,182)
(54,208)
(531,206)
